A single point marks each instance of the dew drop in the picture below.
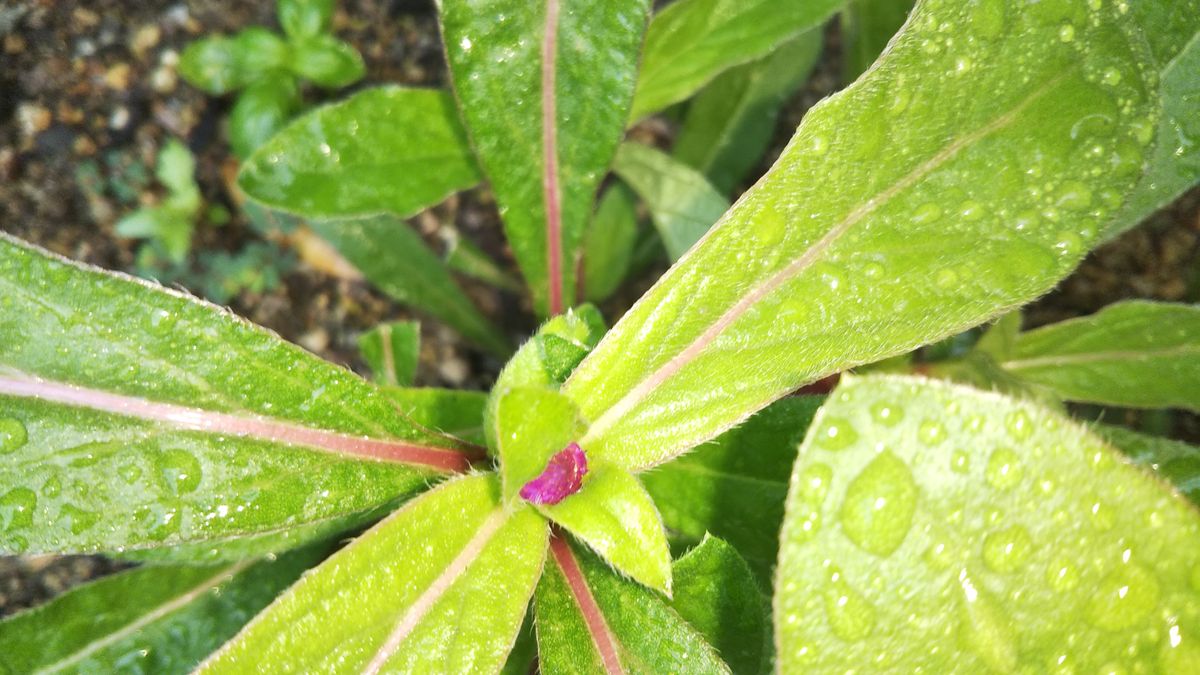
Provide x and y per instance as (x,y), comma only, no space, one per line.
(837,434)
(984,628)
(851,616)
(1180,653)
(813,483)
(1062,575)
(130,473)
(77,519)
(16,509)
(927,213)
(1074,196)
(887,414)
(1123,598)
(1003,469)
(971,211)
(879,506)
(939,556)
(1113,669)
(960,462)
(1066,33)
(1019,425)
(805,524)
(1007,550)
(1102,515)
(179,470)
(52,487)
(13,435)
(931,432)
(1068,243)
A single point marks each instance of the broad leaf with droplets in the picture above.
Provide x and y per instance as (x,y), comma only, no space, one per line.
(939,528)
(907,208)
(439,586)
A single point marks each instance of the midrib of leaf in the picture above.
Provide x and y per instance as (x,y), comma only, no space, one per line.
(693,350)
(195,419)
(700,469)
(389,358)
(1092,357)
(550,188)
(602,636)
(421,606)
(146,619)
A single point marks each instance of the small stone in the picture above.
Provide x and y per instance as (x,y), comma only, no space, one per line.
(145,39)
(119,119)
(117,77)
(33,119)
(84,146)
(454,370)
(315,340)
(163,79)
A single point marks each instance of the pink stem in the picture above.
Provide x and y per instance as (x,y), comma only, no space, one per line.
(602,636)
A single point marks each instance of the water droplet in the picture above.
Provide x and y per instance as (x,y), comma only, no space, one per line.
(805,523)
(770,227)
(873,270)
(939,556)
(1062,575)
(77,519)
(946,278)
(130,473)
(1124,597)
(16,509)
(960,462)
(837,434)
(971,211)
(931,432)
(1180,653)
(851,617)
(1113,669)
(1019,425)
(879,506)
(927,213)
(1102,515)
(179,471)
(887,414)
(1007,550)
(1066,33)
(813,483)
(12,435)
(1074,196)
(1111,77)
(52,487)
(985,629)
(1003,469)
(988,18)
(818,145)
(465,44)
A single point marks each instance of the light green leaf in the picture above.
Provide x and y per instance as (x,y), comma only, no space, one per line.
(532,424)
(590,620)
(867,27)
(1000,339)
(260,54)
(1175,461)
(730,123)
(545,89)
(176,167)
(304,18)
(211,65)
(260,111)
(692,41)
(734,486)
(1137,354)
(151,619)
(616,518)
(395,258)
(392,350)
(903,211)
(464,257)
(136,417)
(440,586)
(609,243)
(326,61)
(992,534)
(457,412)
(683,204)
(383,150)
(716,593)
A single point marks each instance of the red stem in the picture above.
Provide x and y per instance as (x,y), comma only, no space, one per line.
(602,636)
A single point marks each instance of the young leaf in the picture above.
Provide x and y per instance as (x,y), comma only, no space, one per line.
(903,211)
(716,593)
(150,619)
(609,242)
(590,620)
(394,599)
(692,41)
(327,61)
(1137,354)
(392,350)
(304,18)
(260,111)
(545,89)
(683,204)
(395,258)
(1175,461)
(533,424)
(383,150)
(211,64)
(260,54)
(991,533)
(731,121)
(734,486)
(867,27)
(138,417)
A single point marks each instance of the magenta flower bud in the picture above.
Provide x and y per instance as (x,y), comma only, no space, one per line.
(562,477)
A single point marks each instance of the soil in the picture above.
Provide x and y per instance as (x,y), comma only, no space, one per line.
(95,83)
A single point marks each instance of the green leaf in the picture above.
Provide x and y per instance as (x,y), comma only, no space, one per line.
(211,64)
(1173,29)
(392,351)
(731,121)
(692,41)
(305,18)
(609,242)
(545,89)
(1175,461)
(457,412)
(260,54)
(327,61)
(683,204)
(523,656)
(387,149)
(260,111)
(394,599)
(867,27)
(176,168)
(616,518)
(903,211)
(716,593)
(1000,339)
(590,620)
(990,533)
(465,257)
(1137,354)
(150,619)
(734,486)
(137,417)
(532,424)
(395,258)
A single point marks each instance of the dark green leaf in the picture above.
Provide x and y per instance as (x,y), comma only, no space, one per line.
(304,18)
(327,61)
(464,257)
(1175,461)
(211,64)
(260,111)
(609,242)
(867,27)
(392,350)
(545,89)
(387,149)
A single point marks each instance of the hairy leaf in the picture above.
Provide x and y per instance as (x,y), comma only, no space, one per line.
(457,412)
(907,208)
(151,619)
(992,534)
(692,41)
(440,586)
(533,424)
(1138,354)
(1175,461)
(392,350)
(609,243)
(383,150)
(867,27)
(395,258)
(545,89)
(683,204)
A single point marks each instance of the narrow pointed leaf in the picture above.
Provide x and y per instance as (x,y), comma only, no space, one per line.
(395,258)
(544,87)
(715,591)
(392,350)
(682,203)
(137,417)
(902,212)
(730,123)
(735,485)
(692,41)
(150,619)
(440,586)
(466,258)
(992,534)
(1137,354)
(590,620)
(523,656)
(1175,461)
(383,150)
(1000,339)
(609,243)
(867,27)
